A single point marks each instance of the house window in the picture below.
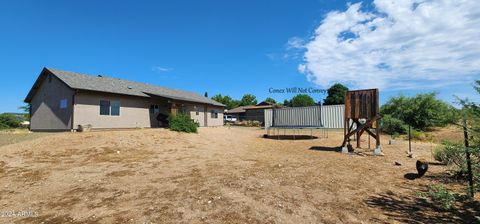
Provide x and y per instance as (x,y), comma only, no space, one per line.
(214,114)
(197,110)
(63,103)
(154,109)
(110,107)
(115,108)
(104,107)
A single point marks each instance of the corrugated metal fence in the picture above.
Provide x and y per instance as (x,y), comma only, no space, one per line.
(297,117)
(315,116)
(268,118)
(333,116)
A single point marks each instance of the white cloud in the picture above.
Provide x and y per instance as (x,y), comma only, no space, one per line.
(161,69)
(295,43)
(398,45)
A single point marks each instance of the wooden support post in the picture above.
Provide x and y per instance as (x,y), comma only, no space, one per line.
(173,110)
(358,137)
(409,141)
(377,132)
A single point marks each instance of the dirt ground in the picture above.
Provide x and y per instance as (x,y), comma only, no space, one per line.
(220,175)
(18,135)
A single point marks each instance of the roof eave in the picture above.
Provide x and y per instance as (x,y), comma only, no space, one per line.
(35,86)
(184,99)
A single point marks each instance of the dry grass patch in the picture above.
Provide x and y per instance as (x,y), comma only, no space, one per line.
(8,137)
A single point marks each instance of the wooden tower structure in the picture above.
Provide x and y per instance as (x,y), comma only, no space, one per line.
(362,115)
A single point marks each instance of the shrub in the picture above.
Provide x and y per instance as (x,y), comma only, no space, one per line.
(418,135)
(422,111)
(253,123)
(182,123)
(248,123)
(393,125)
(3,126)
(395,135)
(453,154)
(8,121)
(438,193)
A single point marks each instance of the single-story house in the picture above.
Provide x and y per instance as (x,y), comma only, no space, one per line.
(62,100)
(253,112)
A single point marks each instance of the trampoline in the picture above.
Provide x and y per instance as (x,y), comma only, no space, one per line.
(294,131)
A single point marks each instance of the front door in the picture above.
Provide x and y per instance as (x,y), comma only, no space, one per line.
(154,112)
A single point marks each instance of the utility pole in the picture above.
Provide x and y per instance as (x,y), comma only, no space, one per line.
(469,162)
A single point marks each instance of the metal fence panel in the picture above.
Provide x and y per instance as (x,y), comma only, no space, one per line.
(297,117)
(268,118)
(331,116)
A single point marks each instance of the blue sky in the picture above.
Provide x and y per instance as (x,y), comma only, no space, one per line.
(231,47)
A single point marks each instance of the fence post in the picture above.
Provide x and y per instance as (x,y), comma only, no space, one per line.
(409,141)
(469,162)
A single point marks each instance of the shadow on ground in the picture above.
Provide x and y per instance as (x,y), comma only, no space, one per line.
(411,209)
(326,149)
(443,178)
(411,176)
(290,137)
(447,178)
(351,152)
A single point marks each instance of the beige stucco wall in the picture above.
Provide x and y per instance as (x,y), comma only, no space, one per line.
(192,111)
(134,111)
(211,122)
(46,112)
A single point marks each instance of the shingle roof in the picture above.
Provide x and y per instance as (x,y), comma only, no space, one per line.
(236,110)
(119,86)
(242,109)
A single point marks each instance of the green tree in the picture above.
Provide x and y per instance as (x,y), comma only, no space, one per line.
(302,100)
(219,98)
(336,94)
(270,100)
(287,103)
(422,111)
(393,125)
(26,109)
(248,99)
(8,121)
(226,100)
(234,103)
